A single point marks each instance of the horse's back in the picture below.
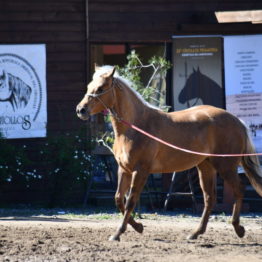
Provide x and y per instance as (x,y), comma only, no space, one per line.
(210,129)
(220,122)
(197,113)
(225,134)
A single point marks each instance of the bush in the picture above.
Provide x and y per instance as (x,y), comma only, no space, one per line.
(60,164)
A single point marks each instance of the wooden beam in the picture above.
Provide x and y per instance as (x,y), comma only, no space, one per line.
(253,16)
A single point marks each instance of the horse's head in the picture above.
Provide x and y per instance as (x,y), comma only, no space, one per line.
(99,95)
(5,90)
(191,88)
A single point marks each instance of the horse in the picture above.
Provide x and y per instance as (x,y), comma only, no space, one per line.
(14,90)
(202,87)
(202,128)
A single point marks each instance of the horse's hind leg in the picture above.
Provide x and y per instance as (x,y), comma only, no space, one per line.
(124,182)
(234,181)
(207,179)
(137,184)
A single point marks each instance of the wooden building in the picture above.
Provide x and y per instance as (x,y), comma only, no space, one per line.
(71,29)
(115,27)
(61,26)
(151,21)
(78,33)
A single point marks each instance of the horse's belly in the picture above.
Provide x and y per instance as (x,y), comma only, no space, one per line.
(175,162)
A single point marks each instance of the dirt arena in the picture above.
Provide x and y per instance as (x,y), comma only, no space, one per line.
(164,239)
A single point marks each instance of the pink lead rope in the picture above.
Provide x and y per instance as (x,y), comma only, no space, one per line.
(184,149)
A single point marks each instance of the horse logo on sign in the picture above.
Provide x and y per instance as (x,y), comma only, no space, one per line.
(14,90)
(20,93)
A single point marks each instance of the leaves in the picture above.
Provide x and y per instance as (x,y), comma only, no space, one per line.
(64,156)
(153,92)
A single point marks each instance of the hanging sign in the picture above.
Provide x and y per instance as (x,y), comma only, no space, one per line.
(197,71)
(243,81)
(23,109)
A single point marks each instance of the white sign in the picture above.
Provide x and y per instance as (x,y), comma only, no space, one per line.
(23,110)
(243,81)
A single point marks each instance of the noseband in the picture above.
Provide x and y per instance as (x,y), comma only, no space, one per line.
(111,111)
(100,94)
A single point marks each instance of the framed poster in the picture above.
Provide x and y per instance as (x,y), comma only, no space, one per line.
(23,106)
(243,81)
(197,71)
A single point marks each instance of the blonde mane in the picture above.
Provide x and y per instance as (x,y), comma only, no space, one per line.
(123,82)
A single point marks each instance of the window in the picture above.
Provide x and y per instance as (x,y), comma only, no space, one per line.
(117,55)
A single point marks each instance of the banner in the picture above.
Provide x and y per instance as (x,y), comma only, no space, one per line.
(243,81)
(197,72)
(23,110)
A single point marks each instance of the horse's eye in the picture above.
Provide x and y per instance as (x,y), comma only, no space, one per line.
(100,89)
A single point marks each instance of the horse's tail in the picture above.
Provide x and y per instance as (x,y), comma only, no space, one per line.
(251,166)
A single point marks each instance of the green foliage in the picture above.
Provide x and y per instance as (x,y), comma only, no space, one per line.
(152,92)
(62,162)
(13,162)
(68,165)
(132,71)
(67,154)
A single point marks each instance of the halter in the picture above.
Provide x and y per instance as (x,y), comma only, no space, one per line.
(100,94)
(110,110)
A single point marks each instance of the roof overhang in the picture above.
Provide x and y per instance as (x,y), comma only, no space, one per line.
(252,16)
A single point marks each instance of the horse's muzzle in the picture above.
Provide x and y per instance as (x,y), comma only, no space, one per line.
(82,112)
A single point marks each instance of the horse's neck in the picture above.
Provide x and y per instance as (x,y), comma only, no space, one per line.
(12,86)
(128,107)
(12,83)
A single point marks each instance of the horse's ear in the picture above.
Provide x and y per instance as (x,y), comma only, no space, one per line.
(96,66)
(198,70)
(194,70)
(110,73)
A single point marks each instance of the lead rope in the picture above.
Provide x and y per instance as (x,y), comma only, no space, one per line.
(119,119)
(114,114)
(181,148)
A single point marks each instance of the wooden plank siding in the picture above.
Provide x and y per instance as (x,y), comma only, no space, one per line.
(157,20)
(61,25)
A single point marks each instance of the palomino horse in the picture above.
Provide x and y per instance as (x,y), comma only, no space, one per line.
(202,128)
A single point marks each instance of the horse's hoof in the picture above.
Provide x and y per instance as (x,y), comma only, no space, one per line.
(114,238)
(192,237)
(240,230)
(139,227)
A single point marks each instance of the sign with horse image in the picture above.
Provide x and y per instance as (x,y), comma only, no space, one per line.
(23,112)
(197,71)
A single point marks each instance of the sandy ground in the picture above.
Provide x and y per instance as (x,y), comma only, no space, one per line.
(55,239)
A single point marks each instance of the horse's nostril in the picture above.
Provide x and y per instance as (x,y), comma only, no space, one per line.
(82,111)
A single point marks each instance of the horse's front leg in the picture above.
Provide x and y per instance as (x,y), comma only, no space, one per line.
(124,182)
(137,183)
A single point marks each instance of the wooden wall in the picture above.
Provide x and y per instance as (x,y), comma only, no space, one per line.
(157,20)
(61,25)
